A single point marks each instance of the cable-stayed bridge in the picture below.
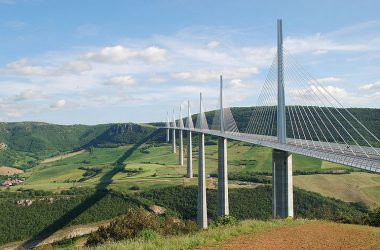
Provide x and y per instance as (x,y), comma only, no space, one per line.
(294,114)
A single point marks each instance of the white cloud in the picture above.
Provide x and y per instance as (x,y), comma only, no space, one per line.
(121,81)
(121,54)
(13,113)
(23,67)
(207,75)
(260,56)
(58,104)
(212,45)
(371,86)
(29,94)
(330,79)
(156,79)
(236,84)
(320,52)
(319,44)
(75,67)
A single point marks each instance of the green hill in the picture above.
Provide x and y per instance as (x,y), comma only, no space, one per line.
(31,141)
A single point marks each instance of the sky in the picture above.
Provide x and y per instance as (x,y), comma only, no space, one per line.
(92,61)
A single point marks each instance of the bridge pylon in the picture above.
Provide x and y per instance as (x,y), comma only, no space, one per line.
(174,147)
(167,126)
(180,137)
(202,201)
(189,169)
(282,176)
(223,206)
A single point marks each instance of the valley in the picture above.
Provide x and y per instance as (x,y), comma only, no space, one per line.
(123,171)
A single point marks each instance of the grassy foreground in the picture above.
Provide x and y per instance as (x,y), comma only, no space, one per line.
(212,236)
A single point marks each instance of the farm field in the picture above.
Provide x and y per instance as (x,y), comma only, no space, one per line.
(314,235)
(9,170)
(253,234)
(153,166)
(353,187)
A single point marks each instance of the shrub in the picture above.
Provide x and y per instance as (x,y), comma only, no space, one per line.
(175,226)
(125,227)
(148,235)
(134,188)
(140,223)
(225,220)
(374,217)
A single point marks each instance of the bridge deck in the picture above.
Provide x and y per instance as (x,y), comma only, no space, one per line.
(360,157)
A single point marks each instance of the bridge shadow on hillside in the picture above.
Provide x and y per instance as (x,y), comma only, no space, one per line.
(100,193)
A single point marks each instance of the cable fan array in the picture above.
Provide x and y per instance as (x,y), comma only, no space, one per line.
(314,116)
(229,124)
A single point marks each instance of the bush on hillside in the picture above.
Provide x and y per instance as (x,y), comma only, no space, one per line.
(225,220)
(374,217)
(139,223)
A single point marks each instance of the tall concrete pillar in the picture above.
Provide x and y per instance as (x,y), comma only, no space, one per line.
(174,147)
(223,206)
(202,202)
(282,176)
(167,135)
(180,155)
(189,170)
(282,187)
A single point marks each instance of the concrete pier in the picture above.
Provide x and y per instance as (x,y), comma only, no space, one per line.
(174,147)
(167,135)
(282,179)
(202,202)
(189,170)
(223,206)
(180,155)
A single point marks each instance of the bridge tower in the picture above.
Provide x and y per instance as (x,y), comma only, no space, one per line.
(167,127)
(180,137)
(173,134)
(202,201)
(189,169)
(223,208)
(282,177)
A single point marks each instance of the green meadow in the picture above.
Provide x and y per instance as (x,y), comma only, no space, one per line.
(151,166)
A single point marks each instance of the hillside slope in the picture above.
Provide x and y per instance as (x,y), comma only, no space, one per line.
(31,141)
(253,234)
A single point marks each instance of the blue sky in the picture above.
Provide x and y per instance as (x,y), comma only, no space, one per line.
(95,62)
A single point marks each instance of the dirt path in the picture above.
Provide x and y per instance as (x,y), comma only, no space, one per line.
(60,157)
(322,235)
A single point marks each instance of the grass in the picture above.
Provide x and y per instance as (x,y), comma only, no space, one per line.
(209,237)
(354,187)
(160,169)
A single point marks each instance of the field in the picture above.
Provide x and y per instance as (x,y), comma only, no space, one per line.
(10,171)
(61,157)
(252,234)
(354,187)
(142,172)
(314,235)
(153,166)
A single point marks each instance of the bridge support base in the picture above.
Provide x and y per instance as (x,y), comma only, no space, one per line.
(223,208)
(173,142)
(189,170)
(282,187)
(180,155)
(202,202)
(167,135)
